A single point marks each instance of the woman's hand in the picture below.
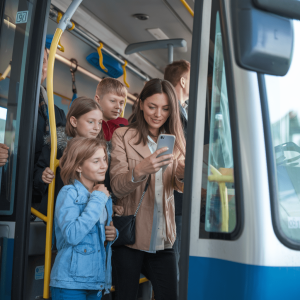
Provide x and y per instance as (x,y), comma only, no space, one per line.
(3,154)
(152,164)
(48,175)
(110,232)
(118,210)
(101,188)
(180,169)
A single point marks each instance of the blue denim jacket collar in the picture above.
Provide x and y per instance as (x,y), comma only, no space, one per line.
(84,193)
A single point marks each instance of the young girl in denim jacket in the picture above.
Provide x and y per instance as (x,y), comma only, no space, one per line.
(83,224)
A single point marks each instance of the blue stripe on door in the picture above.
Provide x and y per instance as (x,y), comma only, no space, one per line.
(216,279)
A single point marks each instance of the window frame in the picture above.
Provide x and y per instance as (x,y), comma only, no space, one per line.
(236,233)
(271,169)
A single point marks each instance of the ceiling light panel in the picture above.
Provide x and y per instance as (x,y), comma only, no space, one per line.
(158,34)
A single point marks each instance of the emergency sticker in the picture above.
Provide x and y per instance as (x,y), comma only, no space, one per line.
(39,273)
(293,222)
(22,17)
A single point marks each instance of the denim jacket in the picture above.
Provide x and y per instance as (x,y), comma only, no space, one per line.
(82,262)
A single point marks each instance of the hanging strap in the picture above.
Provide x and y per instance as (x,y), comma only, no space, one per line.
(125,74)
(73,70)
(145,190)
(99,49)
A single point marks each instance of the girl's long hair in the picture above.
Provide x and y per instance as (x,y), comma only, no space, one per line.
(173,125)
(77,151)
(80,107)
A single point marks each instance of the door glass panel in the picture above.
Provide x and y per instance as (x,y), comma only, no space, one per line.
(284,109)
(14,37)
(218,210)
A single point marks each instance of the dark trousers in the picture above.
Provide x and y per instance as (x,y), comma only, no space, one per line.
(177,245)
(159,268)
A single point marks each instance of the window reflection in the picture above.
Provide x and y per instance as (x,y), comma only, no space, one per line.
(218,210)
(284,108)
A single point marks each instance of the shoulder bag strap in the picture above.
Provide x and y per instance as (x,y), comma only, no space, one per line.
(145,190)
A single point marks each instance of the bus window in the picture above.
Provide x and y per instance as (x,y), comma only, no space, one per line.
(13,48)
(284,114)
(218,209)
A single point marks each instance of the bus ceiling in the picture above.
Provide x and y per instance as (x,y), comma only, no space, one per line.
(94,42)
(116,24)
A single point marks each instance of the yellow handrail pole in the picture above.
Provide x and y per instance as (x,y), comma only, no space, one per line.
(187,7)
(5,73)
(221,180)
(53,161)
(63,24)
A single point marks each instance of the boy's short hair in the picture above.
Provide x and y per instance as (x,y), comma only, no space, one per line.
(176,70)
(111,85)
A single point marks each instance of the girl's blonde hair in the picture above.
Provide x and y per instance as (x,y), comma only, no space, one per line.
(77,151)
(80,107)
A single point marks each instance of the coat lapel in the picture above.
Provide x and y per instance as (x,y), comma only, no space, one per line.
(141,149)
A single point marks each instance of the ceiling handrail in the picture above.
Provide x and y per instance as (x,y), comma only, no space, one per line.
(188,8)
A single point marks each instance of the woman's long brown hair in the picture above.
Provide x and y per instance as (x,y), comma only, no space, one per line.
(173,125)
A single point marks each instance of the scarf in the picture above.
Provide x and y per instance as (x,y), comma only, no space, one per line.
(43,105)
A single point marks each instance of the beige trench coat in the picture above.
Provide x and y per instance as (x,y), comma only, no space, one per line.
(125,156)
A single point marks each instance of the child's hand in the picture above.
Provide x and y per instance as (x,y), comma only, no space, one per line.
(48,175)
(101,188)
(118,210)
(110,232)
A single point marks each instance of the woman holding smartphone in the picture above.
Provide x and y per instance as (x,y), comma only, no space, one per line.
(133,160)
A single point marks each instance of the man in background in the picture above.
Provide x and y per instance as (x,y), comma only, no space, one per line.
(178,73)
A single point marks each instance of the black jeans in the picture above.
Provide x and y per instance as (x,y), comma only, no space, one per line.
(159,268)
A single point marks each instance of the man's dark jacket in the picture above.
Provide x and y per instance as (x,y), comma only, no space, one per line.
(179,196)
(60,119)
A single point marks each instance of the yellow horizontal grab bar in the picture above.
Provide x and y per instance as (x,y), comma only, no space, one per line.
(187,7)
(220,178)
(39,215)
(142,280)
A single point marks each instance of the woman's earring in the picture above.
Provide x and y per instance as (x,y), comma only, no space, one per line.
(79,175)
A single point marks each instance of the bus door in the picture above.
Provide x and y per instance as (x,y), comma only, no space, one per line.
(228,240)
(22,36)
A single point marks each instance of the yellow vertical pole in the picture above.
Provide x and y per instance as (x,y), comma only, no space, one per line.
(53,162)
(221,180)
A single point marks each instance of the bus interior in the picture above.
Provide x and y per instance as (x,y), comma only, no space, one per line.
(237,127)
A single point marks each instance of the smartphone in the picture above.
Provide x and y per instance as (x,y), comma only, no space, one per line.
(166,140)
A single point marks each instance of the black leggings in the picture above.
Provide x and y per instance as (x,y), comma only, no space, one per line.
(159,268)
